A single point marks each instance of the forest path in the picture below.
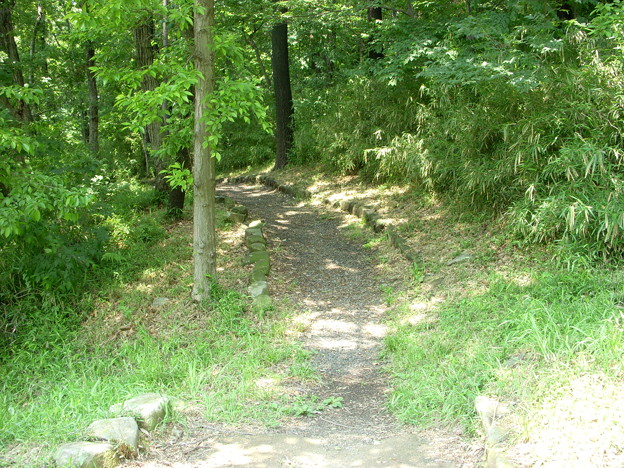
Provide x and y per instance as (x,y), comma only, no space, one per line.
(333,281)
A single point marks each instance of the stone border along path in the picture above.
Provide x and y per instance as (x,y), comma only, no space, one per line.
(487,408)
(347,423)
(117,438)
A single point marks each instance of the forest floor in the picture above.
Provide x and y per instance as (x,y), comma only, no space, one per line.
(336,287)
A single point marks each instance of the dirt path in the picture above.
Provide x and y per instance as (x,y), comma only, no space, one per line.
(333,280)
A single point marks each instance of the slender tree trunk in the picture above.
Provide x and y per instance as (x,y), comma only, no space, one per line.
(204,234)
(94,115)
(144,38)
(176,194)
(284,109)
(22,111)
(250,40)
(38,37)
(374,15)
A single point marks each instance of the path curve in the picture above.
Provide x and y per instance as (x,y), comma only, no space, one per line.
(333,280)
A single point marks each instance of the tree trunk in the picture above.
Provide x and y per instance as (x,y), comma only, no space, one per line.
(250,40)
(374,15)
(94,116)
(204,234)
(144,38)
(38,37)
(22,111)
(284,110)
(176,194)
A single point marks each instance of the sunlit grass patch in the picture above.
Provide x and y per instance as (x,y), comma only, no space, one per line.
(74,359)
(522,341)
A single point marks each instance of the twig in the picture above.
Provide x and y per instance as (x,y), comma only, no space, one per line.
(334,423)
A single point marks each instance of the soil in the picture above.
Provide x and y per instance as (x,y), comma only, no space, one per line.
(335,284)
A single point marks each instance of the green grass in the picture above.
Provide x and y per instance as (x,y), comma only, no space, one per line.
(75,356)
(519,340)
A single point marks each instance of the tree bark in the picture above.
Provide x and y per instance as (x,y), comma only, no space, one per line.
(176,194)
(204,234)
(250,40)
(284,109)
(374,14)
(22,111)
(94,114)
(146,54)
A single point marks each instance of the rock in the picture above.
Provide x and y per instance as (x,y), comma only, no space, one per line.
(255,257)
(346,205)
(460,258)
(160,302)
(258,274)
(258,288)
(255,239)
(256,247)
(149,409)
(486,409)
(235,217)
(262,302)
(262,266)
(121,430)
(256,224)
(240,209)
(86,455)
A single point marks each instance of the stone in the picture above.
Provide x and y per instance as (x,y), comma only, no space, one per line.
(236,217)
(262,266)
(240,209)
(486,409)
(258,275)
(160,302)
(262,302)
(256,247)
(258,288)
(255,257)
(256,224)
(86,455)
(346,205)
(124,431)
(255,239)
(149,409)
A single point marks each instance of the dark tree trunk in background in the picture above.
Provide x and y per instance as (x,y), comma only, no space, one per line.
(94,115)
(176,194)
(38,39)
(284,109)
(146,54)
(22,111)
(374,15)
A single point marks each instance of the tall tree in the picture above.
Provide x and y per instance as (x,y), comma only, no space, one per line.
(284,109)
(204,234)
(375,15)
(94,107)
(144,38)
(22,111)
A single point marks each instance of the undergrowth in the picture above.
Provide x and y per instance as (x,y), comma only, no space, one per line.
(69,356)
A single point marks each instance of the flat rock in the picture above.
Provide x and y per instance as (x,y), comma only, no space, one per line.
(257,247)
(86,455)
(120,430)
(149,408)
